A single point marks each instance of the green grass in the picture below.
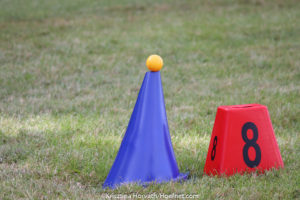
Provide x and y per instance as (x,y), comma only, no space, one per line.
(70,72)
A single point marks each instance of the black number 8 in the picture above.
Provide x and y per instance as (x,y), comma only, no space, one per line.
(251,143)
(213,151)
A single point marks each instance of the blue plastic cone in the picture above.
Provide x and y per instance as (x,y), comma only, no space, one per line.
(146,153)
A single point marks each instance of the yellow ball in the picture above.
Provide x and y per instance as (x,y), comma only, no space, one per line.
(154,63)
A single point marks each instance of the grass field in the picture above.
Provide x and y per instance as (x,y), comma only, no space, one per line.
(70,72)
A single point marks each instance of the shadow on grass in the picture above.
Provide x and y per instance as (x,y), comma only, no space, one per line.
(87,159)
(14,149)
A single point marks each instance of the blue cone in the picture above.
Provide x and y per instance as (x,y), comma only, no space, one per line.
(146,154)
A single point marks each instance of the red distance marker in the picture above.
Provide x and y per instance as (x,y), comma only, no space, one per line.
(242,140)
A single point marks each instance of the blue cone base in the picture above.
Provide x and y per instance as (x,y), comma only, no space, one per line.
(181,177)
(146,153)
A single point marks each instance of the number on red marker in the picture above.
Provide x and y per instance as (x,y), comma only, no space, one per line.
(213,151)
(251,143)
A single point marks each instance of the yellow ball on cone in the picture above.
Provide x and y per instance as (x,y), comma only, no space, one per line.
(154,63)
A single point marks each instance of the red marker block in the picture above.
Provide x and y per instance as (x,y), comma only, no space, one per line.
(242,140)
